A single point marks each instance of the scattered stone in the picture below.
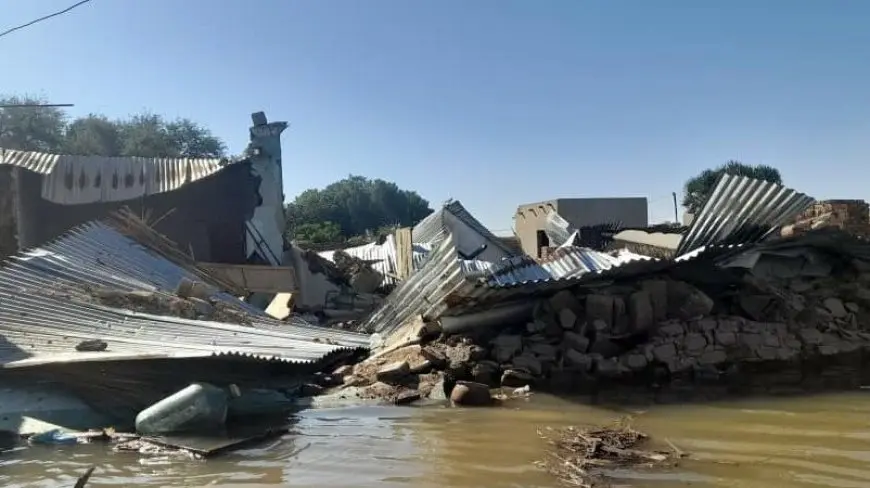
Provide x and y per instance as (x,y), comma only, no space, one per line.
(528,363)
(394,373)
(407,396)
(576,341)
(536,326)
(567,318)
(564,300)
(756,306)
(434,356)
(471,394)
(422,367)
(687,302)
(544,352)
(672,329)
(640,311)
(658,294)
(92,345)
(599,325)
(636,362)
(513,378)
(343,371)
(578,360)
(486,372)
(835,306)
(600,307)
(694,343)
(605,347)
(665,353)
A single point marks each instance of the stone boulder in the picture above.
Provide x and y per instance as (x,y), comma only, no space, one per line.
(470,394)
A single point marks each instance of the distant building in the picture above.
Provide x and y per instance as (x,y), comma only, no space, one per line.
(226,211)
(530,219)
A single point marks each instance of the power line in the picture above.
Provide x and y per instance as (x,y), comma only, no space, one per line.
(59,12)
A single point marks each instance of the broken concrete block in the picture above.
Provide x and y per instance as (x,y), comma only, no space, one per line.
(393,373)
(599,307)
(469,393)
(576,341)
(640,311)
(567,318)
(835,306)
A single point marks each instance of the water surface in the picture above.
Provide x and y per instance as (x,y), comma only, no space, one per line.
(811,441)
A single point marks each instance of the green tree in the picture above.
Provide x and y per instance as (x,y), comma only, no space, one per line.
(28,128)
(47,129)
(319,233)
(697,189)
(358,205)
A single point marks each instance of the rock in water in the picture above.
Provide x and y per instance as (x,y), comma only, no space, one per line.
(470,394)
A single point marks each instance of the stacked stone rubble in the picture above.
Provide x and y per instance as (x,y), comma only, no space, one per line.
(852,216)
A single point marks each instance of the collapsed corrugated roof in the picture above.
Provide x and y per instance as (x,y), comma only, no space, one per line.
(86,179)
(742,210)
(435,227)
(45,313)
(383,257)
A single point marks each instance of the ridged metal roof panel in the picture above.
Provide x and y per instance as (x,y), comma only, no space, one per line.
(87,179)
(742,210)
(384,255)
(433,229)
(42,318)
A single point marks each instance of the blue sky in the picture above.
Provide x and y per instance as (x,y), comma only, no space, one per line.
(491,102)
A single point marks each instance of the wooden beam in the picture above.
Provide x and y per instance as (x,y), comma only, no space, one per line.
(404,253)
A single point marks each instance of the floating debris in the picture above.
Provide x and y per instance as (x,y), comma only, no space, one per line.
(583,457)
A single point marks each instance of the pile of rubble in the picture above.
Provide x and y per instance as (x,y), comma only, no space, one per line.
(650,331)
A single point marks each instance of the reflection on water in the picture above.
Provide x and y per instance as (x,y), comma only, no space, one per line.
(819,441)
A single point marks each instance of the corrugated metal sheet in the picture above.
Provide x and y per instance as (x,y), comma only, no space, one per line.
(433,228)
(742,210)
(558,229)
(89,179)
(41,322)
(385,255)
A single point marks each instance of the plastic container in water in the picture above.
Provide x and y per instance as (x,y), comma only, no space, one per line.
(198,407)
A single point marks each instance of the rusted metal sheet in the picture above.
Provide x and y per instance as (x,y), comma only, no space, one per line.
(742,210)
(254,278)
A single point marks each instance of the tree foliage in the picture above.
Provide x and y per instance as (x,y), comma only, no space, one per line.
(357,206)
(48,129)
(699,188)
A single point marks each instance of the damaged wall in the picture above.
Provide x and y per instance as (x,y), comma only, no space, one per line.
(852,216)
(268,220)
(208,216)
(8,220)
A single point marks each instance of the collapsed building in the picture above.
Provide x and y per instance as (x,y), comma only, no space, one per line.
(734,299)
(218,210)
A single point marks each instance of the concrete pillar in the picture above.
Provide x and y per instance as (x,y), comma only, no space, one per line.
(266,227)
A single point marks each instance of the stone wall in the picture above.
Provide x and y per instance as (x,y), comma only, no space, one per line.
(8,221)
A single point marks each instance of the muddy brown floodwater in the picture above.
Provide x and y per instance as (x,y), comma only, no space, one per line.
(814,441)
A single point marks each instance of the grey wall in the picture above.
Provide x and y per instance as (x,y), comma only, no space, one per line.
(208,215)
(631,212)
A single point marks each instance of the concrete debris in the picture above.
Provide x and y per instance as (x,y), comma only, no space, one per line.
(155,303)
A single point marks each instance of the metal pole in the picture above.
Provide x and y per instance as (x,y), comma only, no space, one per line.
(676,212)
